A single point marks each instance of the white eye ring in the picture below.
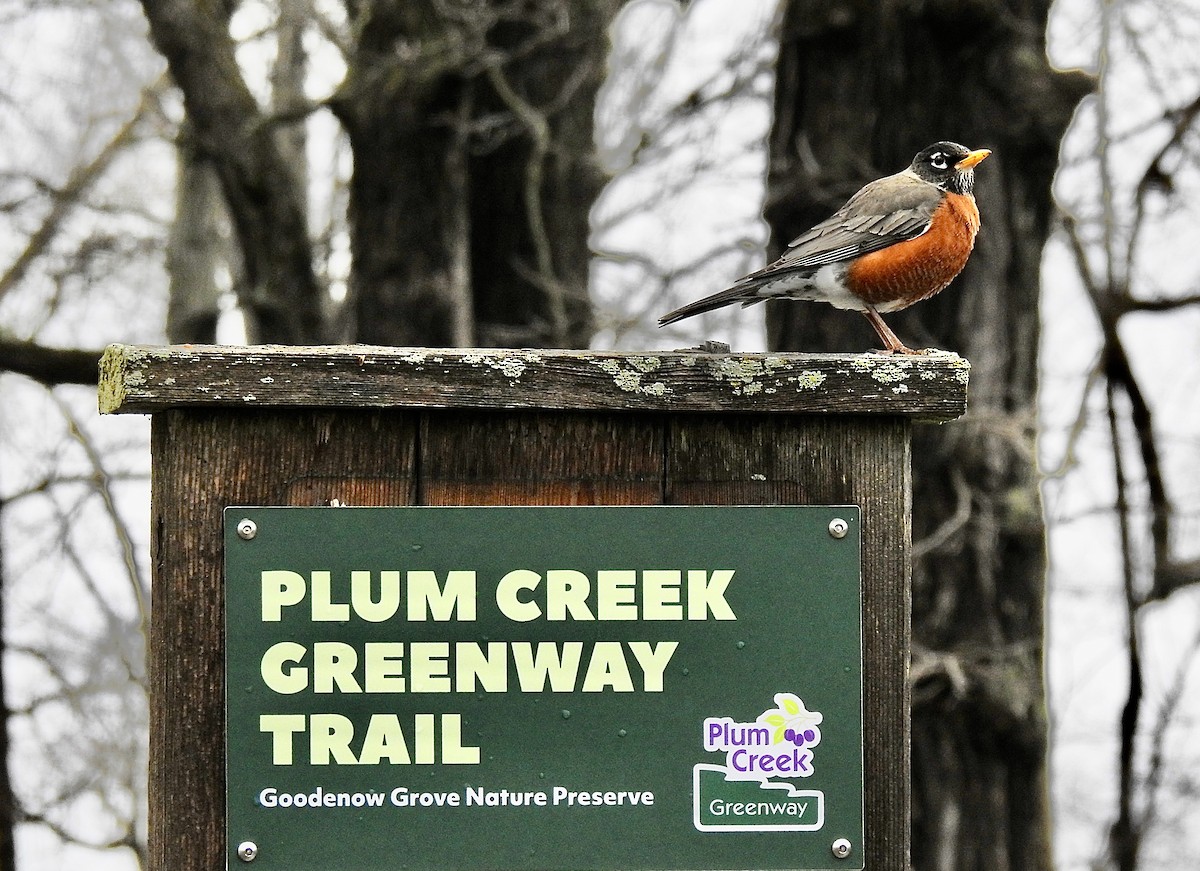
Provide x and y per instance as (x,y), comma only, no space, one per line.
(938,161)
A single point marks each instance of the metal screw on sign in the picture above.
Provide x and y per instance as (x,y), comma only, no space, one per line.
(247,528)
(247,850)
(841,848)
(838,527)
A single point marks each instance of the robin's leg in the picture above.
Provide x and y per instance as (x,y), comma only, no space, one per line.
(891,341)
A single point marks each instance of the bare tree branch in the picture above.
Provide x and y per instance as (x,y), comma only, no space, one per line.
(1114,278)
(1160,305)
(1125,835)
(82,177)
(266,203)
(1119,372)
(50,366)
(953,524)
(1167,716)
(538,127)
(102,480)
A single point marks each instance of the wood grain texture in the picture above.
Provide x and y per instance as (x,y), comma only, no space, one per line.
(203,461)
(143,379)
(547,458)
(206,458)
(795,460)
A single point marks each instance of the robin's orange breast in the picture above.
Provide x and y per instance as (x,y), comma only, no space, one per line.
(908,272)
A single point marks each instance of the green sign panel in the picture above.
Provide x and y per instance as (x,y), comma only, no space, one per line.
(533,689)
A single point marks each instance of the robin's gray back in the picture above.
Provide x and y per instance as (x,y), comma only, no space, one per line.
(887,211)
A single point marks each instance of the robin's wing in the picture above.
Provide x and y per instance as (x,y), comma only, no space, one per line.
(887,211)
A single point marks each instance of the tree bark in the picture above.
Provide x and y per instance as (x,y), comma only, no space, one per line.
(398,113)
(196,247)
(50,366)
(8,809)
(862,87)
(471,138)
(265,202)
(470,127)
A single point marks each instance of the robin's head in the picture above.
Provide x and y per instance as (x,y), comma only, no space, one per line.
(949,165)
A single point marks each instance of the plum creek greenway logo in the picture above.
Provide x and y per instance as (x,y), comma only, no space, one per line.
(755,789)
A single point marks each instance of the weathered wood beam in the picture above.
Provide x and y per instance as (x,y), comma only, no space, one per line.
(142,379)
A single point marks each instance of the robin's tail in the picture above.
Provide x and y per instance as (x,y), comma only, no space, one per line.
(742,292)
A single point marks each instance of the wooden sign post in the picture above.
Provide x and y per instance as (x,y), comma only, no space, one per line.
(366,426)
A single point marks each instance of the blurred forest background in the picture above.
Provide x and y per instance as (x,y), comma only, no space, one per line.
(557,173)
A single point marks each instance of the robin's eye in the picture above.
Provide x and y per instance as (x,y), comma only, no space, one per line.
(938,160)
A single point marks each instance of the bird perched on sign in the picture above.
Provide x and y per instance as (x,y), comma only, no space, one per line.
(899,240)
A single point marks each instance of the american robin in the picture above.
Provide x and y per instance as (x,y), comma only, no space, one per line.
(899,240)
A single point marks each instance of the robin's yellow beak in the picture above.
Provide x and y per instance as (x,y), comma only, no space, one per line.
(972,159)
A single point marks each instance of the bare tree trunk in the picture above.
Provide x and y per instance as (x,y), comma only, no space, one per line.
(400,117)
(287,85)
(470,126)
(532,272)
(265,205)
(196,248)
(473,174)
(862,87)
(8,815)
